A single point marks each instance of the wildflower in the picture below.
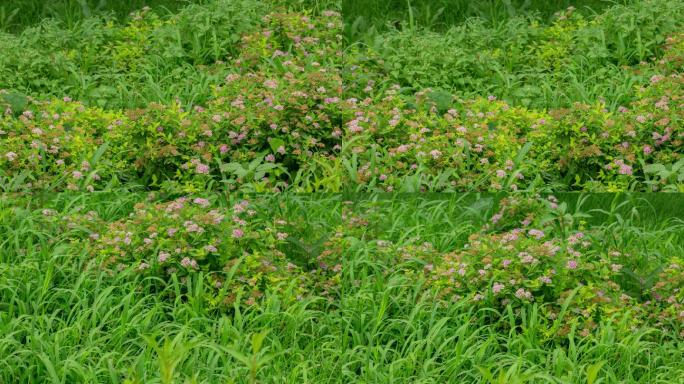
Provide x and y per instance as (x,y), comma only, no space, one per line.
(536,233)
(143,266)
(572,264)
(201,202)
(403,148)
(238,233)
(210,248)
(647,149)
(497,287)
(270,158)
(624,169)
(521,293)
(270,83)
(574,239)
(496,218)
(11,156)
(189,263)
(281,235)
(77,174)
(506,262)
(202,169)
(191,227)
(163,256)
(435,154)
(500,173)
(526,258)
(545,279)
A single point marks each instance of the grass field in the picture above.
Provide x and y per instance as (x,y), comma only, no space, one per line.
(316,191)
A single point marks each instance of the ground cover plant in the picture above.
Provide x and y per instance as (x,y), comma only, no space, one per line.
(272,288)
(315,191)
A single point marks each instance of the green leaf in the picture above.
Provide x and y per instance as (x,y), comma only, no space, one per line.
(276,143)
(593,371)
(258,340)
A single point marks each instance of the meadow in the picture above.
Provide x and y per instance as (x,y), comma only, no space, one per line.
(316,191)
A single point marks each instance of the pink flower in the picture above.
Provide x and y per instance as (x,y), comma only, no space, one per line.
(625,169)
(505,263)
(272,84)
(281,235)
(521,293)
(223,148)
(572,264)
(201,202)
(497,287)
(496,218)
(187,262)
(647,149)
(270,158)
(210,248)
(238,233)
(77,174)
(163,256)
(202,169)
(500,173)
(143,266)
(537,234)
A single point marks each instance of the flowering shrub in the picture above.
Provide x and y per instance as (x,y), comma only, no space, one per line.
(485,144)
(236,248)
(59,143)
(523,257)
(279,110)
(282,116)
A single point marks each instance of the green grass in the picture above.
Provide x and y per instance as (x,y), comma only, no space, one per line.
(66,318)
(20,14)
(442,14)
(521,58)
(62,325)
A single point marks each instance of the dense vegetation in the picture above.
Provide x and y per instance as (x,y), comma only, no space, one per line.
(156,159)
